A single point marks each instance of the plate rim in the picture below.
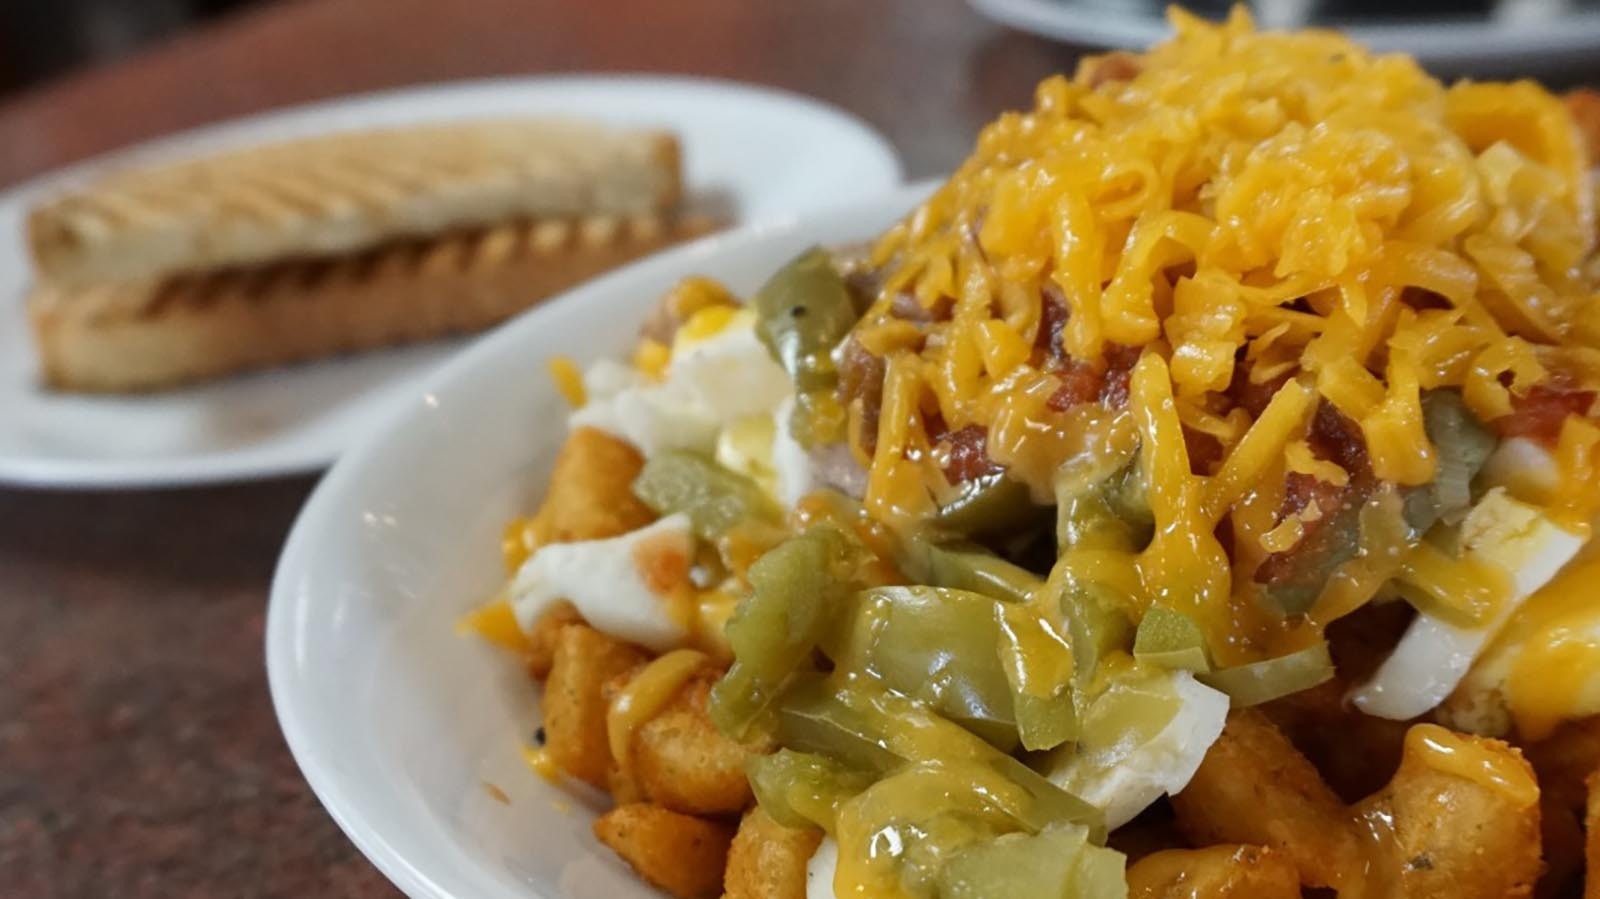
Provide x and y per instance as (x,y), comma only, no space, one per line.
(1443,43)
(291,592)
(249,462)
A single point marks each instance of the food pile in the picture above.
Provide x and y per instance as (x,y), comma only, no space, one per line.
(1190,498)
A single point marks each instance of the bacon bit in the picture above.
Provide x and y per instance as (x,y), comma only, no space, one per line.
(1052,319)
(1249,395)
(906,307)
(662,564)
(1120,360)
(967,454)
(1340,441)
(1081,382)
(1105,382)
(861,379)
(1539,414)
(1205,451)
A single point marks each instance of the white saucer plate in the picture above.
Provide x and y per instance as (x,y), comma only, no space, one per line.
(763,155)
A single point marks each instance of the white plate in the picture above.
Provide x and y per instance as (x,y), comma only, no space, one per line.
(397,722)
(1509,36)
(770,155)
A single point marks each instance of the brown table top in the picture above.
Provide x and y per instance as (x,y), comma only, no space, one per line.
(139,755)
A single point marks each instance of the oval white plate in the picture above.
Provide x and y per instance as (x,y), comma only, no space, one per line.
(1515,37)
(398,723)
(770,155)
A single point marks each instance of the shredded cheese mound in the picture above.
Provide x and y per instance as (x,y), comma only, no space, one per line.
(1288,223)
(1245,204)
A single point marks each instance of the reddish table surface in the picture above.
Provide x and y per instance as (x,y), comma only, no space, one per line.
(139,755)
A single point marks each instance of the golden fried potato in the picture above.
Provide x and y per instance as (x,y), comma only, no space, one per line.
(1561,835)
(1564,761)
(1216,872)
(1459,820)
(542,639)
(768,860)
(681,854)
(1591,846)
(1255,788)
(574,699)
(683,762)
(1354,753)
(591,491)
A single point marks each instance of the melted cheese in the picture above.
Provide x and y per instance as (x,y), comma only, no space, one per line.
(643,697)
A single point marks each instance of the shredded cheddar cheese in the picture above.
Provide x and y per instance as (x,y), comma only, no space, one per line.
(1286,215)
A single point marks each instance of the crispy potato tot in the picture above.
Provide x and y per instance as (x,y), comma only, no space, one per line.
(1255,788)
(1591,844)
(681,761)
(542,639)
(620,782)
(768,860)
(681,854)
(1461,822)
(591,491)
(574,699)
(1561,835)
(1355,753)
(1564,761)
(1217,872)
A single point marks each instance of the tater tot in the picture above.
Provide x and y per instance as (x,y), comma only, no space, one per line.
(542,639)
(591,491)
(681,761)
(1459,820)
(575,703)
(768,860)
(1591,844)
(1254,788)
(681,854)
(1216,872)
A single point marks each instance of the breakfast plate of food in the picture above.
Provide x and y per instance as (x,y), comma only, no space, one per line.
(1191,496)
(250,298)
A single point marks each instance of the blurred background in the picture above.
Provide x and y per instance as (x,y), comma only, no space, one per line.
(41,39)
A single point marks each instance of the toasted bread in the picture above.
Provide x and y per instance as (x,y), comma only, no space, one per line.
(144,336)
(344,193)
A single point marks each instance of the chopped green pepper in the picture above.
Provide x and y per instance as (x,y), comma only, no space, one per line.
(715,499)
(802,313)
(1171,640)
(991,505)
(1101,503)
(966,566)
(1097,625)
(1059,862)
(856,721)
(938,646)
(1039,666)
(1266,680)
(1462,445)
(803,789)
(797,589)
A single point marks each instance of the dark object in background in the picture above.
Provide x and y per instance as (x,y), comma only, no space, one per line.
(40,39)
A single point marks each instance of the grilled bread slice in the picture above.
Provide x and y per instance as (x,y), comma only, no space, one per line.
(343,193)
(134,337)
